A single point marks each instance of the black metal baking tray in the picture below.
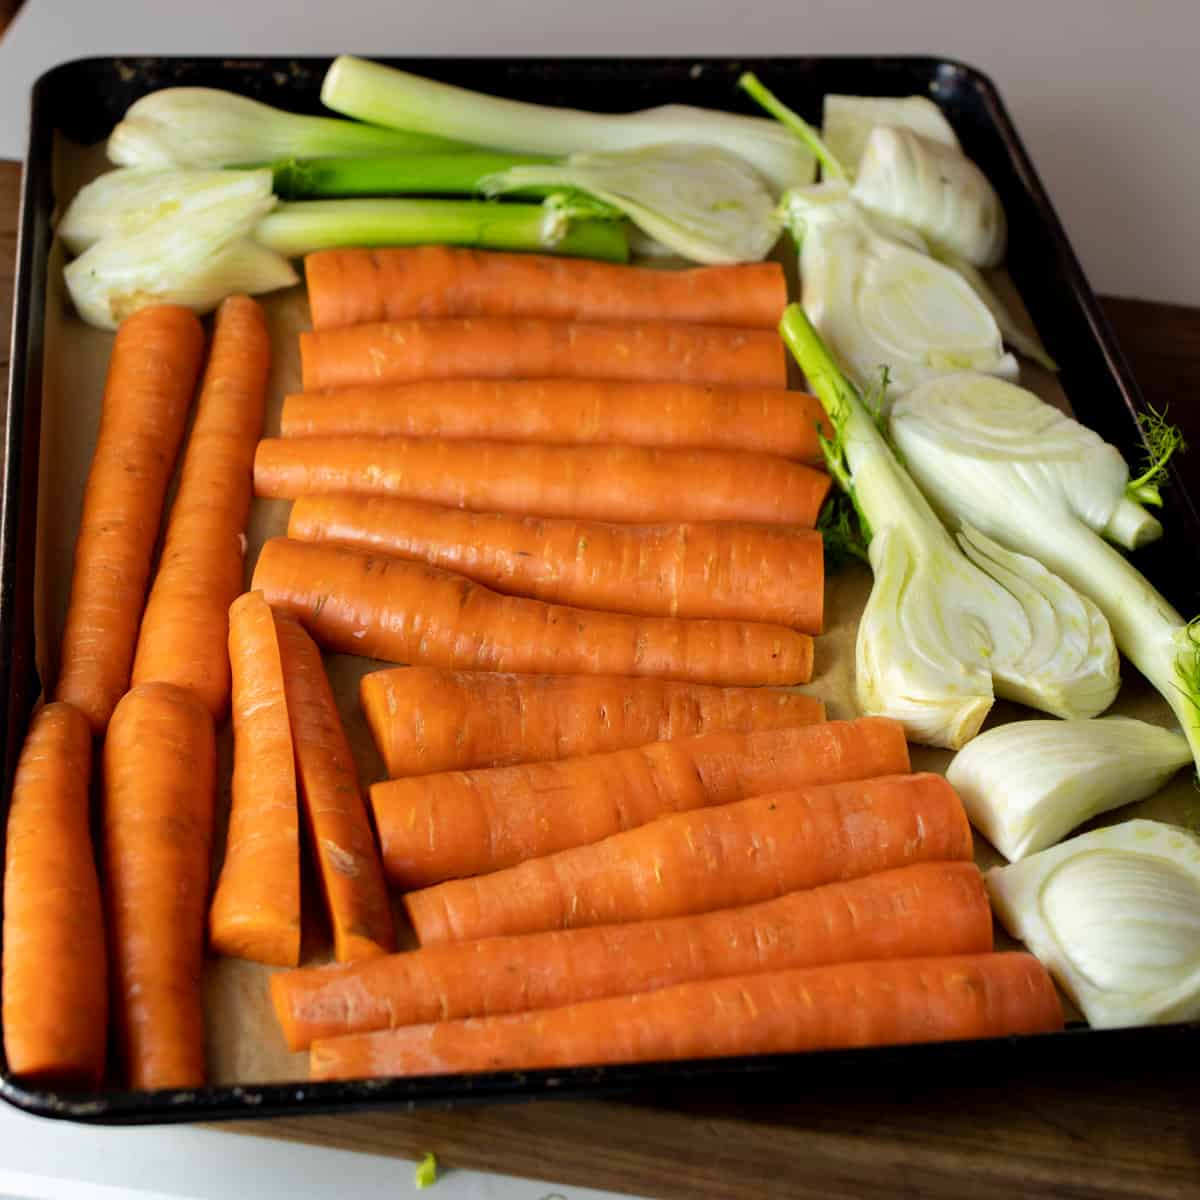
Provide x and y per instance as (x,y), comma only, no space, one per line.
(83,100)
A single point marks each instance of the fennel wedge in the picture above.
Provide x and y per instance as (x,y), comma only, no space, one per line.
(948,626)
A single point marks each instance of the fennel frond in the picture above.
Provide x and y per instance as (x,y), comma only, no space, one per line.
(1162,441)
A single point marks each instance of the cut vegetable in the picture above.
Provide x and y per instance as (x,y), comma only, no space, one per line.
(207,127)
(389,97)
(848,121)
(946,629)
(425,720)
(1115,915)
(1028,784)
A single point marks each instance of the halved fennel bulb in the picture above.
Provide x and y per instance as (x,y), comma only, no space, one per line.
(847,123)
(1027,785)
(1114,915)
(934,188)
(879,302)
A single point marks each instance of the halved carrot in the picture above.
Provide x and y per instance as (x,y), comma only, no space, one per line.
(925,909)
(708,570)
(159,771)
(255,911)
(601,483)
(436,827)
(534,348)
(352,287)
(691,862)
(347,859)
(425,720)
(151,375)
(782,1012)
(387,608)
(55,996)
(186,624)
(568,412)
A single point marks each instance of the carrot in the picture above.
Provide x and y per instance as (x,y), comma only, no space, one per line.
(925,909)
(186,623)
(352,287)
(711,858)
(386,608)
(601,483)
(159,769)
(425,720)
(714,570)
(436,827)
(533,348)
(255,911)
(151,375)
(347,860)
(54,953)
(568,412)
(782,1012)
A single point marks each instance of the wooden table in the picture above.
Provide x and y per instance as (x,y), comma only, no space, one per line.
(1089,1137)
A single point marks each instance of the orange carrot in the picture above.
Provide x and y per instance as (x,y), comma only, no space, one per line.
(601,483)
(425,720)
(386,608)
(151,375)
(714,570)
(925,909)
(710,858)
(533,348)
(159,769)
(186,623)
(255,911)
(55,998)
(782,1012)
(353,287)
(568,412)
(436,827)
(347,860)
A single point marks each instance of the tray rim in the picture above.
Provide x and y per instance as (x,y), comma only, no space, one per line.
(249,1101)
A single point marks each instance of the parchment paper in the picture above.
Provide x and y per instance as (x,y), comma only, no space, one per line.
(243,1041)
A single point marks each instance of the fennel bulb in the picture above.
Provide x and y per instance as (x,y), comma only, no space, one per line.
(127,200)
(934,188)
(879,302)
(1114,916)
(207,127)
(1028,784)
(847,122)
(948,625)
(190,258)
(399,100)
(699,201)
(996,457)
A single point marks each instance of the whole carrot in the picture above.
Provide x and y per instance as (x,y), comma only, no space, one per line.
(568,412)
(715,570)
(925,909)
(533,348)
(425,720)
(782,1012)
(186,623)
(55,995)
(634,484)
(352,287)
(255,911)
(343,846)
(387,608)
(159,768)
(151,376)
(436,827)
(710,858)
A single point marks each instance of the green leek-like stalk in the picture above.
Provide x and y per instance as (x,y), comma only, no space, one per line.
(306,226)
(394,175)
(399,100)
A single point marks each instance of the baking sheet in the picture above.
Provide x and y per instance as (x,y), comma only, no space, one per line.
(244,1045)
